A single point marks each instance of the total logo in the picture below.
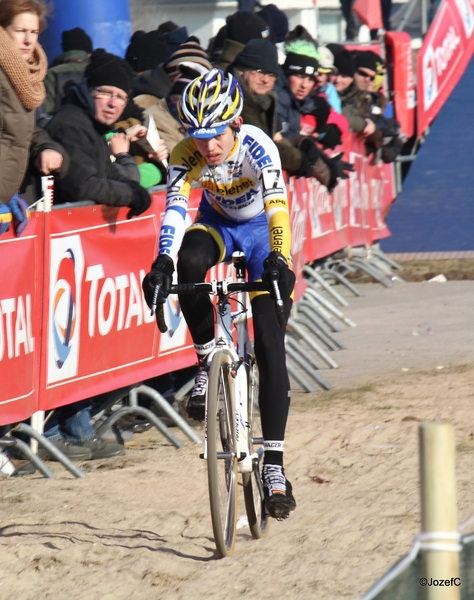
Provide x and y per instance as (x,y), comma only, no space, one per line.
(67,267)
(435,62)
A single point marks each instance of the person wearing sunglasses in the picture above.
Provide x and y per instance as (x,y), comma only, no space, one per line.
(356,103)
(83,126)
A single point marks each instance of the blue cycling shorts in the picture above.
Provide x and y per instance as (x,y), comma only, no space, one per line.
(250,237)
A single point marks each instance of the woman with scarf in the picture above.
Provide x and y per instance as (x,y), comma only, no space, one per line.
(23,67)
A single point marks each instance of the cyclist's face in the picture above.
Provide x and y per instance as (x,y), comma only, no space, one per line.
(216,150)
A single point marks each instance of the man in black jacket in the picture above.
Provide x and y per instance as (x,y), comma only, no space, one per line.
(100,172)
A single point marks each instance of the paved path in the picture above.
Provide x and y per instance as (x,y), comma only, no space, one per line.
(383,341)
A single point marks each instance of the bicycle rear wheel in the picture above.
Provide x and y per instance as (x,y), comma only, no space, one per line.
(259,521)
(221,456)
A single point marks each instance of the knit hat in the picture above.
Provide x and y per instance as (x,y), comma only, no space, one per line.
(300,33)
(188,71)
(190,51)
(277,20)
(335,48)
(326,60)
(366,60)
(243,26)
(344,63)
(301,58)
(146,50)
(108,69)
(167,26)
(76,39)
(258,54)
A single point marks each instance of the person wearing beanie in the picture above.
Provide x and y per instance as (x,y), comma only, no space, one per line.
(165,112)
(76,39)
(146,51)
(174,35)
(256,69)
(190,51)
(326,71)
(241,27)
(356,104)
(303,115)
(277,21)
(68,66)
(81,125)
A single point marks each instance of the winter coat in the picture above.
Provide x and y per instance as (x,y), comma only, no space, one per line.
(92,175)
(20,141)
(67,67)
(356,107)
(170,129)
(262,111)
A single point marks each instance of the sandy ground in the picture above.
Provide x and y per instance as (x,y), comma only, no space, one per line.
(139,528)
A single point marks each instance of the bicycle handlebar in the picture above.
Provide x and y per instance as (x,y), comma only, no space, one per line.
(217,287)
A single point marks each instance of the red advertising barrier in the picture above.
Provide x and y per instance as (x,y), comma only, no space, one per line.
(398,44)
(20,311)
(446,51)
(73,321)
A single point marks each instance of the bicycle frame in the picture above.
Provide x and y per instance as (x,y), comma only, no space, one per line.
(237,360)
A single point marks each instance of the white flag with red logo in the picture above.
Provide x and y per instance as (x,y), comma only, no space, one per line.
(369,13)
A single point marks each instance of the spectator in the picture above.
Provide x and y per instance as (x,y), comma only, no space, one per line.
(22,70)
(240,27)
(356,106)
(256,69)
(190,51)
(94,105)
(173,34)
(325,70)
(146,51)
(276,20)
(68,66)
(165,112)
(303,113)
(69,428)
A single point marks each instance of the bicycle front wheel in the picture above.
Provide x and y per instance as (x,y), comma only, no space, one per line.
(259,521)
(221,455)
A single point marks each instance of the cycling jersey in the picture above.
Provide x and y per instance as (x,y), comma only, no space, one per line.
(246,185)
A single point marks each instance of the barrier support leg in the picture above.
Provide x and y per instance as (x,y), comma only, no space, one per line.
(170,412)
(439,543)
(144,412)
(50,448)
(12,442)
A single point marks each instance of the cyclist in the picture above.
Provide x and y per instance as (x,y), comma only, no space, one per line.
(244,207)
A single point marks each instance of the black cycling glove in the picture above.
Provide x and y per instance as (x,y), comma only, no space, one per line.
(275,264)
(162,271)
(140,201)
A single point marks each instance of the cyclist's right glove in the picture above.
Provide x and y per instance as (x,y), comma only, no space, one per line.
(275,264)
(161,272)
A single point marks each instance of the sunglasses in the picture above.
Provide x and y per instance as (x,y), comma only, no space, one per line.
(366,75)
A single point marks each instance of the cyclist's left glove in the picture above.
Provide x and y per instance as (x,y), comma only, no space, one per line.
(162,271)
(275,264)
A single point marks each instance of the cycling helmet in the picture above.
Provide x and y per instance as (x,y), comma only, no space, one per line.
(209,103)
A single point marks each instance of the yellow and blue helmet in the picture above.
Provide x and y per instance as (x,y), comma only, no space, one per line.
(210,103)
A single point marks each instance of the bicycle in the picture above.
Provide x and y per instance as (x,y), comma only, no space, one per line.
(232,434)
